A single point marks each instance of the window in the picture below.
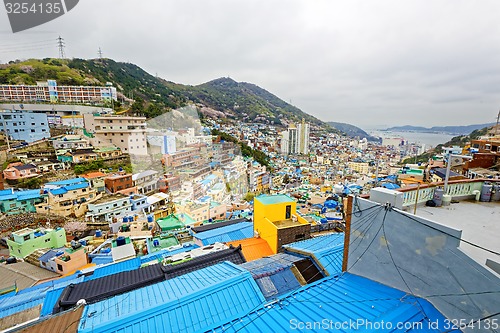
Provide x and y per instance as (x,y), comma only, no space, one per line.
(59,267)
(288,213)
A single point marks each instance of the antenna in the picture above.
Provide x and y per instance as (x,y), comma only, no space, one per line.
(496,128)
(61,45)
(100,53)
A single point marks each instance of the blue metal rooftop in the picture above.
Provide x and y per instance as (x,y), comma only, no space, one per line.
(30,297)
(327,251)
(68,181)
(328,304)
(225,234)
(188,303)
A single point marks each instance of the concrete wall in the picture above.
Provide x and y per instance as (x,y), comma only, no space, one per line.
(427,258)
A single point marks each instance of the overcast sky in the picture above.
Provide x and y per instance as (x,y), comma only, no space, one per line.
(368,63)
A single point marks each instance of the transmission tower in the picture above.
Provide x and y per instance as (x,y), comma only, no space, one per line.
(61,45)
(100,53)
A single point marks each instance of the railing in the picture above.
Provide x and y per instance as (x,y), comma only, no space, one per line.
(457,189)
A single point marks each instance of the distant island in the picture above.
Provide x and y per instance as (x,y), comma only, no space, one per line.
(455,130)
(353,131)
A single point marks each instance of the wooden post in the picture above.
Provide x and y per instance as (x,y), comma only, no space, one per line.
(347,232)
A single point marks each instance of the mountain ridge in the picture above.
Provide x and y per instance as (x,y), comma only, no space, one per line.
(458,130)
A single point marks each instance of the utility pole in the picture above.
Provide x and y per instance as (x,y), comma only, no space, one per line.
(61,45)
(347,233)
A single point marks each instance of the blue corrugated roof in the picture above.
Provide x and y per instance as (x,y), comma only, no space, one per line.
(29,194)
(58,191)
(8,196)
(76,186)
(225,234)
(50,301)
(68,181)
(326,250)
(102,259)
(122,266)
(334,301)
(189,303)
(31,297)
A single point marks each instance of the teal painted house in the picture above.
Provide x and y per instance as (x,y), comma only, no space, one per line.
(17,202)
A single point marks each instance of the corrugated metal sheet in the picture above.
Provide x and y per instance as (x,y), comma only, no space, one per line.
(334,301)
(189,303)
(106,270)
(111,285)
(31,297)
(50,301)
(277,284)
(269,265)
(253,248)
(327,251)
(226,234)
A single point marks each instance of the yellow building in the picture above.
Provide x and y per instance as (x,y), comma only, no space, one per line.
(360,167)
(276,221)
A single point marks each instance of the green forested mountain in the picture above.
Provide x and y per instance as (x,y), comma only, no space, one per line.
(353,131)
(153,96)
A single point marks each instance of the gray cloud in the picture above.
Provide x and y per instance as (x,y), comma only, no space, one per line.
(361,62)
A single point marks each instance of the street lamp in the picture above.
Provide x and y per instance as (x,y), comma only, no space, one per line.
(448,167)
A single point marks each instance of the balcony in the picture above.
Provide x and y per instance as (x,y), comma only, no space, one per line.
(458,190)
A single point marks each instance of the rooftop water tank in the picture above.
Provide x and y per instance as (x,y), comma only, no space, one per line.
(438,196)
(98,233)
(495,196)
(150,218)
(120,240)
(446,200)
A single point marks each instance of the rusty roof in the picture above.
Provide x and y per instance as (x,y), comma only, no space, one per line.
(66,322)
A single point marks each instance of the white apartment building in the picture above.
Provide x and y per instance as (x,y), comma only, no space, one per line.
(295,140)
(49,91)
(126,132)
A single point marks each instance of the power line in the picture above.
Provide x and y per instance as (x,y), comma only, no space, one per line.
(448,234)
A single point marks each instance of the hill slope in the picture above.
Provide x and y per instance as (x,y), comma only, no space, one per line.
(353,131)
(244,101)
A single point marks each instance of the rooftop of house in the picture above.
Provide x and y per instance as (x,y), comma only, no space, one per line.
(253,248)
(478,222)
(118,175)
(286,223)
(274,199)
(106,149)
(225,234)
(92,175)
(110,198)
(344,299)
